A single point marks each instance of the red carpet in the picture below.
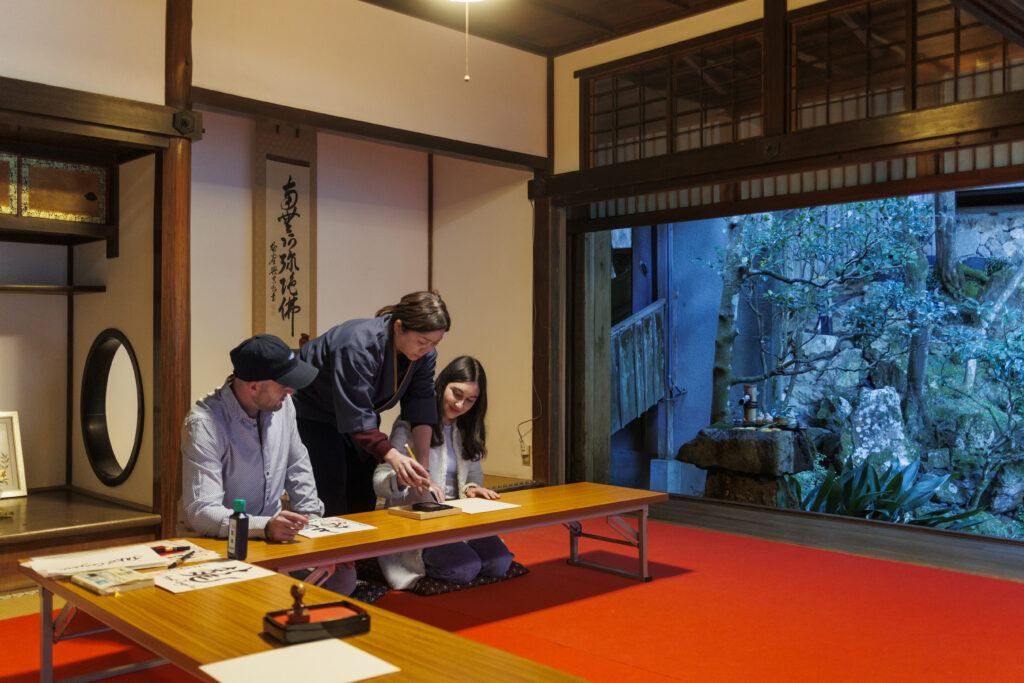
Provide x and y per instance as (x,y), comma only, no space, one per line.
(20,662)
(721,608)
(729,608)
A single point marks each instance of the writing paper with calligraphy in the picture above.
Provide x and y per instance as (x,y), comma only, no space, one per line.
(330,526)
(133,557)
(208,574)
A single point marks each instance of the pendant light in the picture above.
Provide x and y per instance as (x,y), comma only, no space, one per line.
(466,3)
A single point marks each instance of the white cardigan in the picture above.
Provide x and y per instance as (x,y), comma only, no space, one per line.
(402,570)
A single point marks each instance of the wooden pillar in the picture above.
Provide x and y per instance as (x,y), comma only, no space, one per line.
(591,417)
(775,82)
(549,279)
(174,368)
(549,457)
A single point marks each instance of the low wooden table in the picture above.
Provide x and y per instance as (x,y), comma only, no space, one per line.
(567,504)
(212,624)
(209,625)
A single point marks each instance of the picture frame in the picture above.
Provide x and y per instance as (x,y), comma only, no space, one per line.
(12,463)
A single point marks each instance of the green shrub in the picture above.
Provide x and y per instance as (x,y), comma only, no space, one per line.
(894,495)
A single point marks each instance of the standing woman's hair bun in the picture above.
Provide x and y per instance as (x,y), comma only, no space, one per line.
(420,312)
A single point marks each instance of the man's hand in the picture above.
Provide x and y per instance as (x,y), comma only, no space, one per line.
(475,491)
(408,471)
(285,525)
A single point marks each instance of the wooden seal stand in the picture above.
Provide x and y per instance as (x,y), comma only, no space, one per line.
(299,613)
(301,623)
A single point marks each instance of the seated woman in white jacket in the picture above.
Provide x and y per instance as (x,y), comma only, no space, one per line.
(456,448)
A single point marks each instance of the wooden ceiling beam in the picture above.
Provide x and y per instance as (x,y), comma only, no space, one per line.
(685,6)
(500,22)
(78,106)
(574,15)
(362,130)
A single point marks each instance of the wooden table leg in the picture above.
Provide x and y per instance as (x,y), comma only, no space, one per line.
(45,636)
(636,539)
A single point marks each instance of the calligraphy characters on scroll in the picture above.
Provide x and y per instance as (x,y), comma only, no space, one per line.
(287,261)
(289,304)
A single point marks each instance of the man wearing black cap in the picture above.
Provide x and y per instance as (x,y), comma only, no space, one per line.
(241,442)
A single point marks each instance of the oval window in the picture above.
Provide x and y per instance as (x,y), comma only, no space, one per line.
(112,407)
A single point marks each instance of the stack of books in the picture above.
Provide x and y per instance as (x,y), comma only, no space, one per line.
(113,580)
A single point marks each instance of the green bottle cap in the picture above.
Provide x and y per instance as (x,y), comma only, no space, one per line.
(239,505)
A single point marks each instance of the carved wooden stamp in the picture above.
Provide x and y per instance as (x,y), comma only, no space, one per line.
(299,613)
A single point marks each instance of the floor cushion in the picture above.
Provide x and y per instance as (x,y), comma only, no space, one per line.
(368,570)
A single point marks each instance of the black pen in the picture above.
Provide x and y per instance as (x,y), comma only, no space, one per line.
(178,562)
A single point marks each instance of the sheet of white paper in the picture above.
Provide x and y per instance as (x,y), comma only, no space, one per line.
(190,577)
(132,556)
(320,661)
(475,505)
(329,526)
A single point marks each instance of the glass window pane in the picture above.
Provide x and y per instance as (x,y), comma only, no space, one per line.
(627,152)
(930,23)
(602,123)
(602,104)
(940,45)
(882,79)
(653,110)
(627,97)
(887,58)
(979,37)
(601,85)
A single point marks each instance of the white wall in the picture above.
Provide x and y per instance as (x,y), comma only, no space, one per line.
(371,230)
(352,59)
(340,57)
(371,227)
(221,247)
(483,267)
(33,357)
(112,47)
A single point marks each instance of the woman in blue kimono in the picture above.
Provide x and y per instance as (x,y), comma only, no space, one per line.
(366,366)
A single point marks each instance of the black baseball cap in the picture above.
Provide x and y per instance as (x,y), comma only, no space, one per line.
(266,357)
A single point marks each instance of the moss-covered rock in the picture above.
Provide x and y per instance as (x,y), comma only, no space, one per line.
(877,427)
(1008,489)
(994,525)
(973,438)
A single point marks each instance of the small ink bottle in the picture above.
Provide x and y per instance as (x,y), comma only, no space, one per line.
(238,532)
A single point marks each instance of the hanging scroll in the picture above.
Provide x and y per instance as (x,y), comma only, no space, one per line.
(284,232)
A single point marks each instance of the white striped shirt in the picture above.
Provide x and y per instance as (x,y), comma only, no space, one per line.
(224,458)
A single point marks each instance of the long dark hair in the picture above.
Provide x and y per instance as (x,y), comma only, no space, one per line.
(471,423)
(420,312)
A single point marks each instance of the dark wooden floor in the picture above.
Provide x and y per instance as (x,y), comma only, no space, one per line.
(58,521)
(955,551)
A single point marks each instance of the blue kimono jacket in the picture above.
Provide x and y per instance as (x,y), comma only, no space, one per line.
(359,378)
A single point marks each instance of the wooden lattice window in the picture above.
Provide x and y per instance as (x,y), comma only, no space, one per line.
(718,94)
(958,58)
(628,115)
(696,94)
(849,63)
